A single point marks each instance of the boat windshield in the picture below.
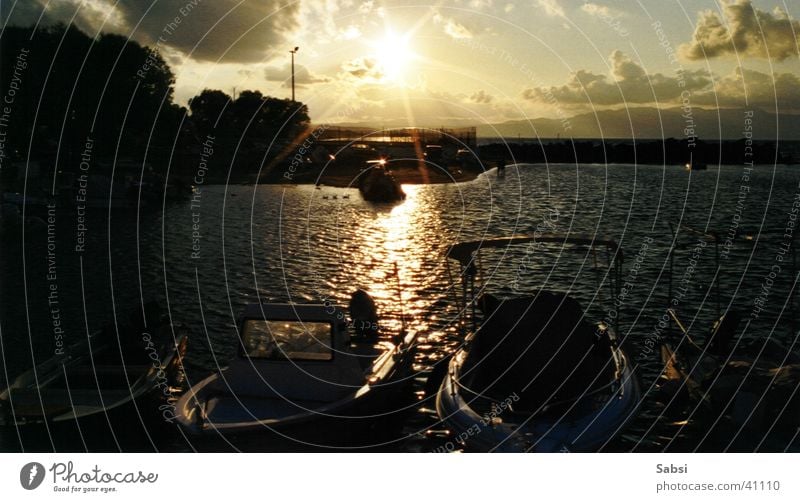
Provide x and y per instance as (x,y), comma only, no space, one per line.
(288,340)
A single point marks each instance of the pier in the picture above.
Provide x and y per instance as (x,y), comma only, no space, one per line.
(460,137)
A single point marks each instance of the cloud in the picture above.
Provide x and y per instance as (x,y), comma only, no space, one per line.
(302,76)
(363,68)
(627,83)
(87,17)
(481,97)
(601,11)
(414,106)
(366,7)
(452,28)
(746,30)
(551,8)
(350,33)
(243,31)
(750,88)
(480,4)
(456,30)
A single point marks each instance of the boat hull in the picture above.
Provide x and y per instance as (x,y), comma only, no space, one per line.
(369,419)
(745,399)
(368,425)
(138,422)
(574,431)
(138,425)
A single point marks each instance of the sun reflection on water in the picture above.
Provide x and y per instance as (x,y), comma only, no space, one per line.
(391,251)
(399,268)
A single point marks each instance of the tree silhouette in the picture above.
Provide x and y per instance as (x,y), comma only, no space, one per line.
(120,94)
(248,131)
(109,89)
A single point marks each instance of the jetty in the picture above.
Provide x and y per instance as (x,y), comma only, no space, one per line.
(338,156)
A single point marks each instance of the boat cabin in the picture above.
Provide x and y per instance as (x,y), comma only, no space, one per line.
(291,333)
(295,352)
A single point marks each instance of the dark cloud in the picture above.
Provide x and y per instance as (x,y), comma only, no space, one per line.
(301,75)
(750,88)
(232,30)
(243,31)
(746,31)
(628,83)
(30,12)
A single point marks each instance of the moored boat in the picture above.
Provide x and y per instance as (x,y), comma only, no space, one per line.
(694,165)
(112,390)
(304,375)
(743,391)
(534,375)
(377,184)
(739,386)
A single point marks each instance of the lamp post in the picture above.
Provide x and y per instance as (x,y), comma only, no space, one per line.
(292,52)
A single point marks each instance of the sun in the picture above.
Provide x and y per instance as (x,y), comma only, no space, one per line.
(392,55)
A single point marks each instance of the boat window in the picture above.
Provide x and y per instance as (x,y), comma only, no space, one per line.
(288,340)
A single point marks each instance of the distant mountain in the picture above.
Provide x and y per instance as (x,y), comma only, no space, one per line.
(644,122)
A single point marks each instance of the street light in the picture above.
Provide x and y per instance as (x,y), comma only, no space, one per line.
(292,52)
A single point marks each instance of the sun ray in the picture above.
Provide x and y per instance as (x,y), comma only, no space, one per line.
(393,55)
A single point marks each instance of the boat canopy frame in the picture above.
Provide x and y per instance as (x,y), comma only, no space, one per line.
(680,230)
(473,284)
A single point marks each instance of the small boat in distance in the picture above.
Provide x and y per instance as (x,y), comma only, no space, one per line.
(534,375)
(501,168)
(303,373)
(695,165)
(377,184)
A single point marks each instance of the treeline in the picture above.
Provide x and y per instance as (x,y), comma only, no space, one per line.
(61,87)
(669,151)
(248,134)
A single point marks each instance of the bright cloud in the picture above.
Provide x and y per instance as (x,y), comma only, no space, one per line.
(551,8)
(750,88)
(302,75)
(451,27)
(746,31)
(627,83)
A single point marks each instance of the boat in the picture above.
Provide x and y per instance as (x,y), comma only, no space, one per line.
(433,153)
(743,390)
(533,375)
(694,165)
(501,168)
(111,389)
(377,184)
(304,374)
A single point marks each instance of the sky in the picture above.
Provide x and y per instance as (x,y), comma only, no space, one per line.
(462,61)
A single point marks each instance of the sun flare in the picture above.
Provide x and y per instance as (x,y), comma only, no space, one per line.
(393,54)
